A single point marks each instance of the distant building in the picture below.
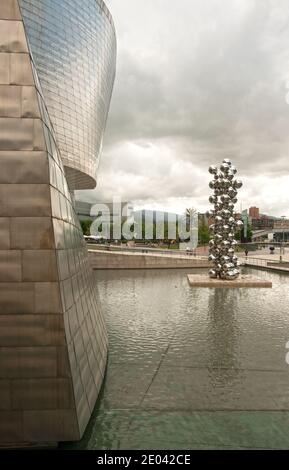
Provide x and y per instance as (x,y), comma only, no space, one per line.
(281,223)
(108,211)
(263,223)
(254,212)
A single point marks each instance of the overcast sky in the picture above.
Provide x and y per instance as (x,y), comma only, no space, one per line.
(198,81)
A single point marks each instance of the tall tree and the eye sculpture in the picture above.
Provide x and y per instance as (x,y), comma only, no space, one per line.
(222,245)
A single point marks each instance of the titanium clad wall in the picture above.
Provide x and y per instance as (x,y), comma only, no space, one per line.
(74,48)
(53,341)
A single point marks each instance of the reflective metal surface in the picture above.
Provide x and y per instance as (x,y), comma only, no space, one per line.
(74,47)
(192,368)
(53,340)
(225,226)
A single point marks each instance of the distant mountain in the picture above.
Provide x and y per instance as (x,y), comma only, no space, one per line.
(156,216)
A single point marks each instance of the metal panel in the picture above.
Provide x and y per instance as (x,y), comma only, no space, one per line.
(4,68)
(12,37)
(59,238)
(31,330)
(77,76)
(30,107)
(31,233)
(16,298)
(10,101)
(43,255)
(39,266)
(20,70)
(10,10)
(25,167)
(24,200)
(47,297)
(10,266)
(16,134)
(38,141)
(5,402)
(63,266)
(50,425)
(34,394)
(28,362)
(4,233)
(11,426)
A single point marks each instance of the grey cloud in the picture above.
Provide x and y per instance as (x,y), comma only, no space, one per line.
(196,82)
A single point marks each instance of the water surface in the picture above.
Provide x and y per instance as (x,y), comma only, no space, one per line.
(192,367)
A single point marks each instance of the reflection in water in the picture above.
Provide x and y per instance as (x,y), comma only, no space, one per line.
(191,367)
(223,334)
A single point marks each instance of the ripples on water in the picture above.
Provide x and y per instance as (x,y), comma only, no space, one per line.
(192,367)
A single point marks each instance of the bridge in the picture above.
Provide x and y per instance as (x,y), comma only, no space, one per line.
(264,232)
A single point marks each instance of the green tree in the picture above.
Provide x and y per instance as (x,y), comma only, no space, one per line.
(240,234)
(204,234)
(85,225)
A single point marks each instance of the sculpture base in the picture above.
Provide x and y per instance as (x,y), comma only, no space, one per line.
(248,281)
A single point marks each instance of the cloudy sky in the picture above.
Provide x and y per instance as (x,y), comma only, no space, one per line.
(198,81)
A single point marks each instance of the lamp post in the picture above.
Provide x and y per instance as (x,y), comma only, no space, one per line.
(283,217)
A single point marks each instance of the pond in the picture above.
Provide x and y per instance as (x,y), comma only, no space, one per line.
(191,368)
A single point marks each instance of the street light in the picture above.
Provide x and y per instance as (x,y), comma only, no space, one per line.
(283,217)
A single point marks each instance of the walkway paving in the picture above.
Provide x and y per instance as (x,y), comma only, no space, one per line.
(265,254)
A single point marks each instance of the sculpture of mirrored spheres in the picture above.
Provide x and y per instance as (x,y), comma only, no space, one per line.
(225,225)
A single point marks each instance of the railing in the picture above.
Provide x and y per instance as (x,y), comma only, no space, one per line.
(147,250)
(251,261)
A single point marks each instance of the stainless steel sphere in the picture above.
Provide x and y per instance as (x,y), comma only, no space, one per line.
(213,199)
(238,184)
(225,244)
(239,224)
(213,274)
(228,267)
(218,238)
(232,192)
(226,213)
(224,198)
(225,167)
(230,236)
(226,183)
(231,276)
(213,170)
(225,259)
(226,228)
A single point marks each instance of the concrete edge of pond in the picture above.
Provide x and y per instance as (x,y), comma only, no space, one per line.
(247,281)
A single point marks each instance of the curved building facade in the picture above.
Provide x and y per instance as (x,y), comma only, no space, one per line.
(73,45)
(53,339)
